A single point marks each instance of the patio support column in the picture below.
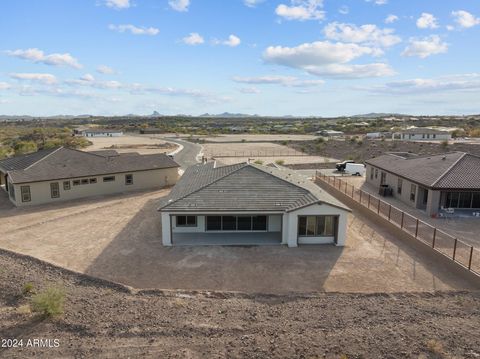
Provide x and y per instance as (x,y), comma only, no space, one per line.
(290,230)
(433,202)
(166,229)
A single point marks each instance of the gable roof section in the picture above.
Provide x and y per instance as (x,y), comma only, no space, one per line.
(66,163)
(456,170)
(24,161)
(244,187)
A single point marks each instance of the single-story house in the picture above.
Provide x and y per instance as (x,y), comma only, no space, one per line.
(431,183)
(249,204)
(422,134)
(101,133)
(62,174)
(329,133)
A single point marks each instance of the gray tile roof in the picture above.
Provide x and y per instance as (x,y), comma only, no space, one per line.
(63,163)
(244,187)
(456,170)
(24,161)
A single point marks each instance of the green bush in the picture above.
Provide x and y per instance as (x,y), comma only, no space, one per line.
(258,162)
(28,288)
(280,162)
(49,302)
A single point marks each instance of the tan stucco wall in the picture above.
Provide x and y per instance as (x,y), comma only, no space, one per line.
(40,191)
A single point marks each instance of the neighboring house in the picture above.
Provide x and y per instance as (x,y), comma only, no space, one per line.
(330,133)
(422,134)
(430,183)
(248,204)
(62,174)
(101,133)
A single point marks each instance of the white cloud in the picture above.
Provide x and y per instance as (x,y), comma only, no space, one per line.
(287,81)
(106,70)
(4,86)
(463,82)
(46,79)
(324,58)
(465,19)
(179,5)
(252,3)
(425,47)
(38,56)
(89,80)
(390,19)
(118,4)
(378,2)
(301,10)
(135,30)
(193,39)
(367,34)
(249,90)
(232,41)
(427,21)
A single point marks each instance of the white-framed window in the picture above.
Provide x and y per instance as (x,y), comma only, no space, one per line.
(316,226)
(186,221)
(129,179)
(399,186)
(66,185)
(93,180)
(76,182)
(236,223)
(413,191)
(25,191)
(54,190)
(109,179)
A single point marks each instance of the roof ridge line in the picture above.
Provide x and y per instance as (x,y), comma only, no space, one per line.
(41,159)
(449,168)
(208,184)
(283,179)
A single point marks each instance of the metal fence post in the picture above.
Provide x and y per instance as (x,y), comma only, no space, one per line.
(353,192)
(401,224)
(369,197)
(416,229)
(470,260)
(378,207)
(455,249)
(361,196)
(434,236)
(389,213)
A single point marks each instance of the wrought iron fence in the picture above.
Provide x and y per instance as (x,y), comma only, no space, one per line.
(460,252)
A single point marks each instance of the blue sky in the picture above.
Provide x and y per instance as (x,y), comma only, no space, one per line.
(267,57)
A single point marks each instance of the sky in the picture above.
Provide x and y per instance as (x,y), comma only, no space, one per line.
(266,57)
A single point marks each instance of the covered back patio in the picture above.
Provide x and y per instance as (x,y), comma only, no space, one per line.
(227,239)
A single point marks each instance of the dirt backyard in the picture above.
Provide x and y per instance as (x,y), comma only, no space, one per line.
(119,238)
(102,320)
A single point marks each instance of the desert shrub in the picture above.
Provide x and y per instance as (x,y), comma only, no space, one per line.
(258,162)
(359,142)
(444,143)
(49,302)
(28,288)
(280,162)
(320,140)
(435,347)
(284,143)
(244,140)
(24,147)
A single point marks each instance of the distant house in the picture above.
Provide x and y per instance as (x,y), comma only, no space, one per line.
(101,133)
(329,133)
(248,204)
(430,183)
(422,134)
(63,174)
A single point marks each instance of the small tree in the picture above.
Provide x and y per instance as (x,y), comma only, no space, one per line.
(280,162)
(444,143)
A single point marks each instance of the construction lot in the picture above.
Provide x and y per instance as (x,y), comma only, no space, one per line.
(119,238)
(126,143)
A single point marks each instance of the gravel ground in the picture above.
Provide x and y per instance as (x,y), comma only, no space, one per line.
(108,321)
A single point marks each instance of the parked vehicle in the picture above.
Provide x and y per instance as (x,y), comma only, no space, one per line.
(341,165)
(355,169)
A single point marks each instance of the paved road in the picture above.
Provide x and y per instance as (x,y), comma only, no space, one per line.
(188,155)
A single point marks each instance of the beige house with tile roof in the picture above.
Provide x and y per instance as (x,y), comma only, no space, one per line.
(63,174)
